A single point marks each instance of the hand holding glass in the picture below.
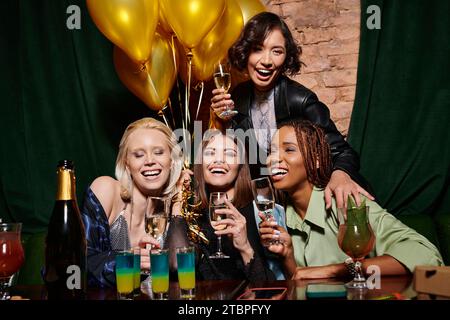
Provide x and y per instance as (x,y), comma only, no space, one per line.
(217,201)
(356,239)
(11,255)
(222,80)
(265,200)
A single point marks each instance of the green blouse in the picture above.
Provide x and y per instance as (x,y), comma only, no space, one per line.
(315,238)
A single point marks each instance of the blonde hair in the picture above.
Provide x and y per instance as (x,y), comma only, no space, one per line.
(124,177)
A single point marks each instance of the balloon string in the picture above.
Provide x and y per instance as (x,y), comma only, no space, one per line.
(188,91)
(178,84)
(161,114)
(169,101)
(175,63)
(202,85)
(154,89)
(172,43)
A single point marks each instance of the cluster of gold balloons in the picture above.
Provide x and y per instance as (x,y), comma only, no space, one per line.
(153,37)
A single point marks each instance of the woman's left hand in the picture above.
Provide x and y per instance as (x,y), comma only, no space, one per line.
(341,186)
(319,272)
(236,227)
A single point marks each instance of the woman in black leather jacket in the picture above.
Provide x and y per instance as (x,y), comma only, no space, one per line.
(267,52)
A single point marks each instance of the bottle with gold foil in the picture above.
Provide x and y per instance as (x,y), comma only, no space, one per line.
(65,251)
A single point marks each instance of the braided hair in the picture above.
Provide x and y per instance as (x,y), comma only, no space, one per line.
(315,151)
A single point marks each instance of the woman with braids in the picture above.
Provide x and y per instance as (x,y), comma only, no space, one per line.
(267,52)
(300,165)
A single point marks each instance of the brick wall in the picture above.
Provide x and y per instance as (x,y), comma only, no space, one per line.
(328,32)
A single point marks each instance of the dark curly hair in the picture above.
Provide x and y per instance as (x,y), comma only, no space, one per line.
(253,35)
(315,150)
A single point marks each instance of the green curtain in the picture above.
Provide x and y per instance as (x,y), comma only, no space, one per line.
(61,98)
(401,116)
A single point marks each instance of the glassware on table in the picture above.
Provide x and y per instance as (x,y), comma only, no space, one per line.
(159,260)
(156,220)
(125,274)
(265,201)
(186,271)
(222,80)
(12,255)
(356,238)
(137,270)
(217,201)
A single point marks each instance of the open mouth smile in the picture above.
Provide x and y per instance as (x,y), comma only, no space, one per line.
(218,171)
(278,173)
(151,173)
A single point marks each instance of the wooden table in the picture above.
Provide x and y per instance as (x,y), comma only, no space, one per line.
(231,289)
(297,289)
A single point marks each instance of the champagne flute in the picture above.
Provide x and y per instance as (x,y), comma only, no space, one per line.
(217,201)
(356,238)
(222,80)
(265,201)
(156,220)
(11,255)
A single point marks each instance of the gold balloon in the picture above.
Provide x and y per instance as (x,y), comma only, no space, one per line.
(216,43)
(192,19)
(129,24)
(250,8)
(183,67)
(163,24)
(152,83)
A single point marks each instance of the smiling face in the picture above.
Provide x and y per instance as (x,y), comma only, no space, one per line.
(265,61)
(148,160)
(286,162)
(220,163)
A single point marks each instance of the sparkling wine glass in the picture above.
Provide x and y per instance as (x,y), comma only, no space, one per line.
(217,201)
(11,255)
(356,238)
(265,200)
(156,218)
(222,80)
(156,221)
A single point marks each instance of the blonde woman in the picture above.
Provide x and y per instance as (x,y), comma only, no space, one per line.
(149,163)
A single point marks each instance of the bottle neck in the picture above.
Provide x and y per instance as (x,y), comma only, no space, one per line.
(66,184)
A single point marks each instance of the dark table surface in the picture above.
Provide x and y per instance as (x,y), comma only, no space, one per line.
(399,286)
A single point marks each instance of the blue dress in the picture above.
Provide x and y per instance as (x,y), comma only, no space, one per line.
(100,255)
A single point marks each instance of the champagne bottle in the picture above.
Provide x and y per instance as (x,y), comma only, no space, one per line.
(65,251)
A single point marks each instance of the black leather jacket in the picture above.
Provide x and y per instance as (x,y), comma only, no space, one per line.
(294,101)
